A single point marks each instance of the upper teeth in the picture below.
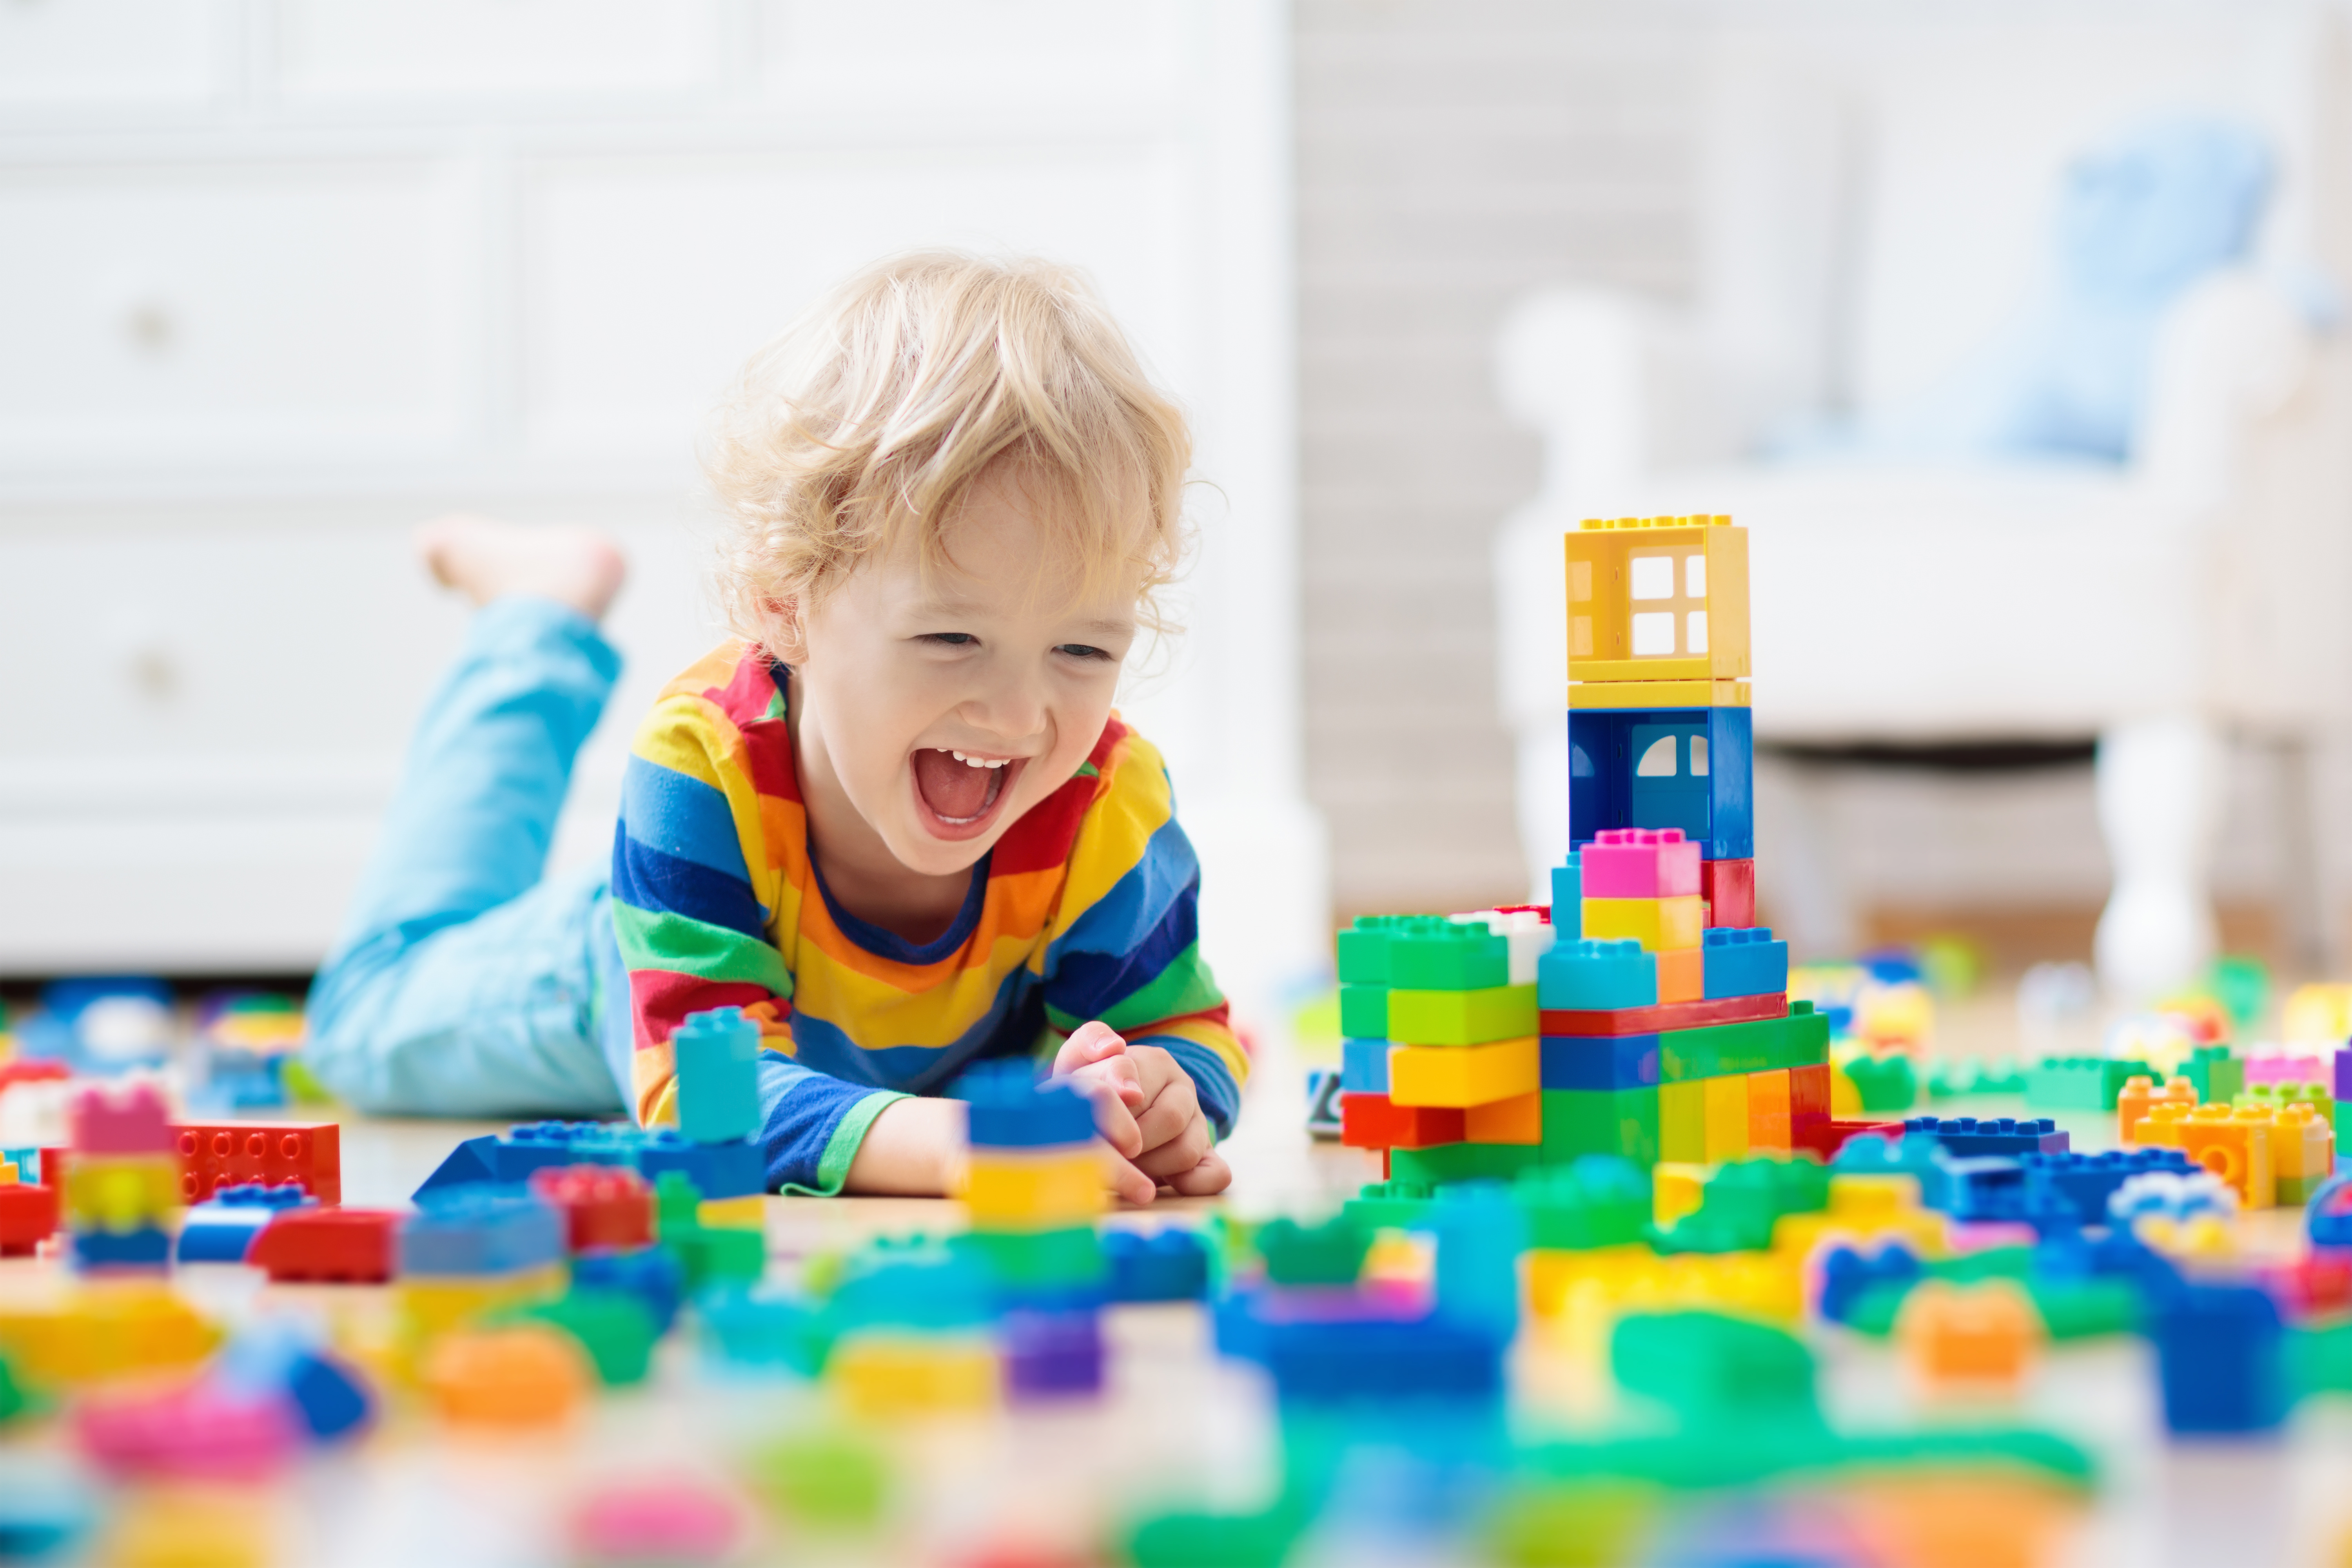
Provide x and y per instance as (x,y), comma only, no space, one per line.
(979,762)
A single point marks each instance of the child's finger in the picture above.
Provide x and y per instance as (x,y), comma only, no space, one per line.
(1209,1177)
(1178,1155)
(1177,1107)
(1128,1183)
(1113,1121)
(1089,1044)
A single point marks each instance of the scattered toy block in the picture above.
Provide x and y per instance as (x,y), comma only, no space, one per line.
(214,1154)
(1966,1135)
(472,1231)
(1727,889)
(222,1229)
(1743,962)
(1640,862)
(1659,924)
(1034,1189)
(129,1121)
(1461,1018)
(1662,1018)
(28,1217)
(2139,1095)
(328,1245)
(2079,1082)
(2220,1358)
(2236,1146)
(718,1057)
(2085,1182)
(1376,1122)
(2303,1152)
(1519,1120)
(602,1205)
(1977,1336)
(1168,1265)
(1463,1076)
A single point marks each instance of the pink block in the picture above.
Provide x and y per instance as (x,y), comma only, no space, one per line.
(2289,1069)
(133,1120)
(657,1519)
(193,1432)
(1640,862)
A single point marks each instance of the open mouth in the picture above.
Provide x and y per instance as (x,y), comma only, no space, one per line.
(959,791)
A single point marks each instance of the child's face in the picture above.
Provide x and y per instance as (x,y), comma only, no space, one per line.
(901,675)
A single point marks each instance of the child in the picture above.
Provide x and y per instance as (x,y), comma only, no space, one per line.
(895,820)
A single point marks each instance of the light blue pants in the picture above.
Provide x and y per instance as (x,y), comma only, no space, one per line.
(463,984)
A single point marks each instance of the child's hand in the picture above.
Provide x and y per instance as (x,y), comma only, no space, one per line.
(1148,1111)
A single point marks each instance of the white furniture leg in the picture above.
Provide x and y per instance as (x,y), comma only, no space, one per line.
(2159,783)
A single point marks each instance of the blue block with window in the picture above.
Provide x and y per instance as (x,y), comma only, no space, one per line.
(1690,768)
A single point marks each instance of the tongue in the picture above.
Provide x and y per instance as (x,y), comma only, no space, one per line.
(952,789)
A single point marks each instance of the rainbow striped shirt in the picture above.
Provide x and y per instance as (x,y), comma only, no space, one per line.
(1085,909)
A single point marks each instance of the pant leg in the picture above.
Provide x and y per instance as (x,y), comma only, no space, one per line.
(461,985)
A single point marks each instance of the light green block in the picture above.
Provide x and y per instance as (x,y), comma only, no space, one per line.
(1461,1018)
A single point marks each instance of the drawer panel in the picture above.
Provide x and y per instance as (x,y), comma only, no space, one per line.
(106,53)
(377,48)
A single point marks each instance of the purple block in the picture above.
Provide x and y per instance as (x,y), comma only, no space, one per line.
(1050,1355)
(2343,1088)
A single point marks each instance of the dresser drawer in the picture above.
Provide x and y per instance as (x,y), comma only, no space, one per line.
(111,54)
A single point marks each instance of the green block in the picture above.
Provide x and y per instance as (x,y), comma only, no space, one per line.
(1799,1039)
(1035,1258)
(612,1326)
(1743,1200)
(1599,1201)
(1456,957)
(1216,1540)
(823,1480)
(1573,1524)
(1707,1367)
(1328,1254)
(1364,1012)
(1885,1084)
(1622,1121)
(1363,947)
(2079,1082)
(2086,1309)
(1391,1206)
(2214,1073)
(710,1255)
(2242,986)
(1462,1162)
(1461,1018)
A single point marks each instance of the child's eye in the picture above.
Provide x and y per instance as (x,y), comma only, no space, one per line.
(1081,651)
(949,639)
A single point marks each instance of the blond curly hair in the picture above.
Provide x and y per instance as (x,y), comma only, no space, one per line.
(869,420)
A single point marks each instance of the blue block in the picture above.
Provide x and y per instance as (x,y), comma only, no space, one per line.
(277,1356)
(1364,1066)
(1170,1265)
(476,1231)
(1984,1188)
(2220,1357)
(1596,975)
(1609,788)
(718,1060)
(121,1249)
(2083,1183)
(1923,1159)
(1964,1135)
(221,1229)
(652,1274)
(1480,1235)
(1568,900)
(508,1159)
(1375,1360)
(1011,1109)
(1599,1062)
(1848,1275)
(1744,963)
(716,1170)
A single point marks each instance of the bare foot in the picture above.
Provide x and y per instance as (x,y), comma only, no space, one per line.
(485,559)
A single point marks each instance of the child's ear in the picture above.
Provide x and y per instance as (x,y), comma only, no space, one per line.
(787,637)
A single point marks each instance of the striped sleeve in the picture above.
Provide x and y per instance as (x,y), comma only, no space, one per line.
(1125,945)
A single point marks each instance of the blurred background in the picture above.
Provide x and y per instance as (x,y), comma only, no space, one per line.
(2013,331)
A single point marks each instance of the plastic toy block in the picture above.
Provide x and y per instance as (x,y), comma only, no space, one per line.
(1331,1253)
(1461,1018)
(1480,1235)
(1169,1265)
(1665,1017)
(100,1250)
(480,1230)
(1027,1262)
(1682,977)
(886,1374)
(704,1253)
(2303,1152)
(121,1192)
(1011,1109)
(1981,1336)
(1799,1039)
(1324,1088)
(1640,862)
(1364,1066)
(652,1274)
(1659,924)
(1726,1118)
(221,1230)
(2327,1219)
(28,1217)
(1364,1011)
(1682,1123)
(717,1055)
(1527,927)
(1579,1122)
(1376,1122)
(1848,1275)
(129,1327)
(518,1377)
(2079,1082)
(1514,1121)
(1991,1189)
(1050,1355)
(328,1400)
(1739,1206)
(1045,1190)
(2085,1182)
(1826,1138)
(2236,1146)
(602,1205)
(1446,956)
(1590,975)
(1663,767)
(433,1305)
(214,1154)
(1964,1135)
(1464,1076)
(1363,947)
(1568,900)
(130,1121)
(1657,598)
(1659,694)
(1593,1062)
(1768,1110)
(331,1245)
(1808,1100)
(612,1328)
(2220,1359)
(2216,1075)
(1727,889)
(1443,1163)
(1883,1083)
(200,1432)
(1599,1200)
(1367,1360)
(1744,961)
(2139,1095)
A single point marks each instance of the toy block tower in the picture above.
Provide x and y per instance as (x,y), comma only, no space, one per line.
(122,1185)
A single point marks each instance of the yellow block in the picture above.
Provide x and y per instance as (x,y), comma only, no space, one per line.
(1659,694)
(104,1331)
(1727,1117)
(1659,924)
(749,1212)
(121,1192)
(2318,1015)
(1615,1280)
(1846,1098)
(2303,1146)
(1866,1208)
(1062,1188)
(1461,1076)
(880,1375)
(429,1307)
(1657,598)
(1675,1190)
(1682,1122)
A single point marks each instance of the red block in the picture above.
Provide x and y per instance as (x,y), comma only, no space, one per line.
(604,1206)
(334,1246)
(214,1154)
(31,1070)
(28,1217)
(1809,1098)
(1728,890)
(1600,1021)
(1826,1138)
(1375,1121)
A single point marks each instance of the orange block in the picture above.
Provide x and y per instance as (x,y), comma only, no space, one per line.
(1682,974)
(529,1376)
(1979,1334)
(2236,1146)
(2139,1096)
(1519,1120)
(1768,1129)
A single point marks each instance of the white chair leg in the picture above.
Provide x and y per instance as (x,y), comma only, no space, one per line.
(2159,783)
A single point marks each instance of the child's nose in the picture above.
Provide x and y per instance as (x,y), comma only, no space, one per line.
(1012,707)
